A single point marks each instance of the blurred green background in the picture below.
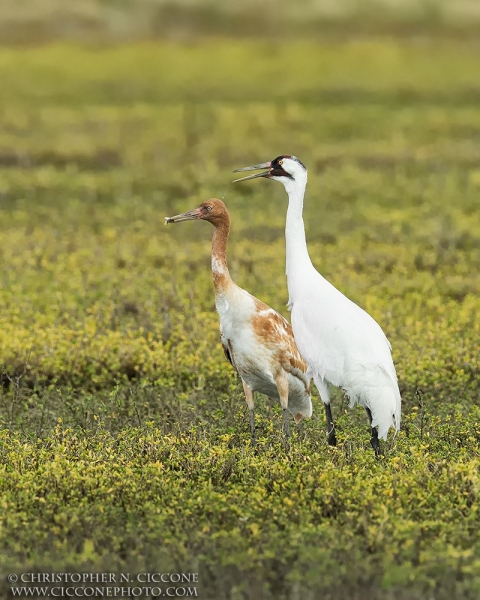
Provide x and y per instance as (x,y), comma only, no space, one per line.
(124,440)
(103,21)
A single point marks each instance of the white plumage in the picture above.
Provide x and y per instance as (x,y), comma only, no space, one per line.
(342,344)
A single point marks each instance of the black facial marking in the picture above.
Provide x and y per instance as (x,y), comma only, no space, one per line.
(277,169)
(276,161)
(280,173)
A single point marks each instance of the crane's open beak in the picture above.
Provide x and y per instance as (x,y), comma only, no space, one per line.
(266,165)
(191,215)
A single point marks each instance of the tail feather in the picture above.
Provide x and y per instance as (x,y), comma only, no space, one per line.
(372,387)
(378,392)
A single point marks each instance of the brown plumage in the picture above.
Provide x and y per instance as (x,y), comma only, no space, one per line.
(257,340)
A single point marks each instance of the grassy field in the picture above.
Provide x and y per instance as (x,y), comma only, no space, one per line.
(124,435)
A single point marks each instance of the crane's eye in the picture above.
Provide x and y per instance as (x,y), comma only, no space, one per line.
(280,162)
(208,208)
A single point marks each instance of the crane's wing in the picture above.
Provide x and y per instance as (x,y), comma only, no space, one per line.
(344,345)
(339,339)
(276,332)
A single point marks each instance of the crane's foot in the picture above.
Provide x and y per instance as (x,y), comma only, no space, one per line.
(332,438)
(252,427)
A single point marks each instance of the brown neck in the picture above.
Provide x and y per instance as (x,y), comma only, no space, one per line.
(221,276)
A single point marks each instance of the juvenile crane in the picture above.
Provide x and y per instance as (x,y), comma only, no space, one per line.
(342,344)
(256,340)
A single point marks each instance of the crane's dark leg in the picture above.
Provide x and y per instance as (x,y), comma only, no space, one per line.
(374,439)
(252,427)
(249,398)
(324,392)
(286,423)
(332,438)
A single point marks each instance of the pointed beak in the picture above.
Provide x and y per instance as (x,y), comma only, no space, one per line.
(191,215)
(266,165)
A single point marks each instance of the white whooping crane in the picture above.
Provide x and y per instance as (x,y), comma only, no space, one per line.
(342,344)
(256,340)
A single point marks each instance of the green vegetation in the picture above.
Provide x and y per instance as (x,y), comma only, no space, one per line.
(124,438)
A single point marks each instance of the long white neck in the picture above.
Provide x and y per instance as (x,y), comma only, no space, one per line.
(298,259)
